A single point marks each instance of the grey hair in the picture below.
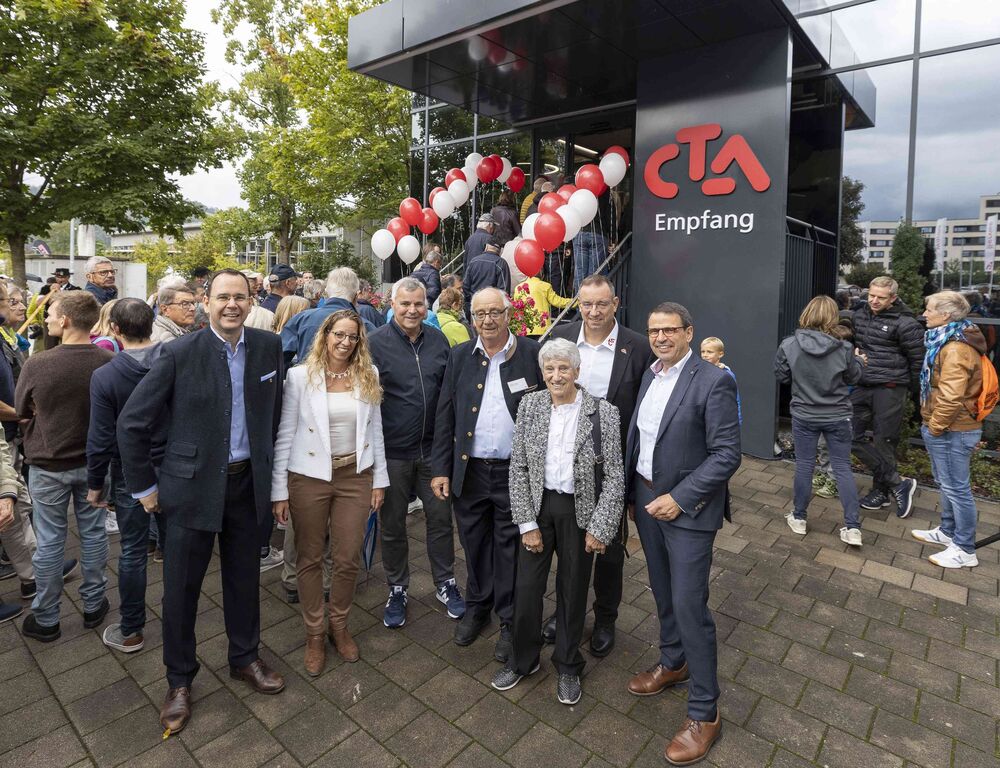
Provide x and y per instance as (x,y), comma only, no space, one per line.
(342,283)
(313,289)
(951,303)
(884,281)
(170,281)
(168,292)
(481,291)
(559,349)
(408,284)
(93,261)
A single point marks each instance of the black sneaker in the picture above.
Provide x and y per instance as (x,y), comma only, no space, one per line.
(549,630)
(71,567)
(506,678)
(31,628)
(6,571)
(471,625)
(291,596)
(903,493)
(93,619)
(875,499)
(505,644)
(568,689)
(10,611)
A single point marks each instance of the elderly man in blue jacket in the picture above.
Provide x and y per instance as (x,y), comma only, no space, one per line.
(683,446)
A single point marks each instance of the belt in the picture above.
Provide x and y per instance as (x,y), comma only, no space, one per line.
(343,461)
(238,467)
(491,461)
(645,482)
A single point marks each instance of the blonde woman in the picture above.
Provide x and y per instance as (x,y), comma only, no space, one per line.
(101,334)
(288,308)
(329,471)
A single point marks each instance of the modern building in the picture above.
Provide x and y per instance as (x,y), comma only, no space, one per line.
(687,88)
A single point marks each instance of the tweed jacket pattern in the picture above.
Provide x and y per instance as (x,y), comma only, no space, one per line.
(600,517)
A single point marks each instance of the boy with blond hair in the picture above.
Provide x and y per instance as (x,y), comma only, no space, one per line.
(712,351)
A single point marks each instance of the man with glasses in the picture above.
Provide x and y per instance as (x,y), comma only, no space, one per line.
(683,446)
(214,480)
(101,279)
(613,359)
(177,310)
(483,386)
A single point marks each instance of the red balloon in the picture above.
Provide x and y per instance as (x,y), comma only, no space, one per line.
(618,151)
(516,180)
(566,191)
(428,221)
(550,230)
(550,202)
(590,177)
(452,175)
(410,212)
(497,164)
(430,197)
(485,170)
(529,257)
(398,228)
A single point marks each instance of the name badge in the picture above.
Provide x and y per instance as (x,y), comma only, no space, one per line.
(517,385)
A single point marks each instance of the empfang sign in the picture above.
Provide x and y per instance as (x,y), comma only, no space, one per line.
(743,222)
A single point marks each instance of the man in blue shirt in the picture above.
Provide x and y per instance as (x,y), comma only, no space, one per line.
(342,287)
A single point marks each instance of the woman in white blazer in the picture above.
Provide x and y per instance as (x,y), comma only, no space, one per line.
(329,471)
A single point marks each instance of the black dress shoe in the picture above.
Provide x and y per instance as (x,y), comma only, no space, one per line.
(94,618)
(470,626)
(31,628)
(602,641)
(291,596)
(549,630)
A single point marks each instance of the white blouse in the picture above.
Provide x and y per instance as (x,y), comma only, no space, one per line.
(343,423)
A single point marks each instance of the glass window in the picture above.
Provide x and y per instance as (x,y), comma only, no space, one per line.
(417,174)
(944,23)
(448,124)
(454,230)
(551,160)
(958,130)
(490,125)
(417,121)
(418,100)
(872,31)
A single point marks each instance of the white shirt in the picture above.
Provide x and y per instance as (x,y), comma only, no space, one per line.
(596,362)
(494,434)
(651,411)
(563,423)
(343,415)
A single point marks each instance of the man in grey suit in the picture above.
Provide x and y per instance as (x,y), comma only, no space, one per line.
(683,446)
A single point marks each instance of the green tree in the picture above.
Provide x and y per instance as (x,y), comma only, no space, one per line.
(862,274)
(905,261)
(103,106)
(852,241)
(343,255)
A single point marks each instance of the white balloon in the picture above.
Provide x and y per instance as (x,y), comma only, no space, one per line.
(472,160)
(584,203)
(459,191)
(528,228)
(444,204)
(408,247)
(505,173)
(383,244)
(572,221)
(470,176)
(613,167)
(478,48)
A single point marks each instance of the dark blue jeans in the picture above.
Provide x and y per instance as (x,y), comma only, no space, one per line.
(133,527)
(838,436)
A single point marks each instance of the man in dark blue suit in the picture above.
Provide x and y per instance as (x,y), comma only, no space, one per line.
(683,446)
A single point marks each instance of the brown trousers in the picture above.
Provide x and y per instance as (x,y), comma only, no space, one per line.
(339,508)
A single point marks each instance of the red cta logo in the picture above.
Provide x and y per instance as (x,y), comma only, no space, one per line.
(736,149)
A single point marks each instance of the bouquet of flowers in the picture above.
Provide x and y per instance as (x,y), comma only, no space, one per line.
(379,301)
(523,317)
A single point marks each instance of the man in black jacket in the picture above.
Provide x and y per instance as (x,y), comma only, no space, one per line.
(482,390)
(488,270)
(219,392)
(613,361)
(429,272)
(411,358)
(110,388)
(892,340)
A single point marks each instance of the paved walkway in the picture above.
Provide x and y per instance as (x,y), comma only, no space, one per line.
(828,658)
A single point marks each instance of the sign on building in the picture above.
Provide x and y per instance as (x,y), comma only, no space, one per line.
(939,243)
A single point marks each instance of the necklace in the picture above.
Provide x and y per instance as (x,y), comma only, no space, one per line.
(333,375)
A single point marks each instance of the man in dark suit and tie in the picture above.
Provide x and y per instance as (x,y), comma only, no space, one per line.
(219,392)
(613,359)
(683,446)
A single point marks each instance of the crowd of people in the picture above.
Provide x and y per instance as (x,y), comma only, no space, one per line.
(210,413)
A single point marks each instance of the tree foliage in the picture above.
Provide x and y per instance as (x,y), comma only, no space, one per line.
(906,259)
(852,241)
(103,105)
(862,274)
(343,255)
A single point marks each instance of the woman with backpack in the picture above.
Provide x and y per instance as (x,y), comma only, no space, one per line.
(821,367)
(951,383)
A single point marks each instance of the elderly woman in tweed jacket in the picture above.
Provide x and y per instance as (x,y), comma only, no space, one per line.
(555,503)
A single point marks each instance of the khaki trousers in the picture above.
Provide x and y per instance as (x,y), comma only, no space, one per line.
(339,509)
(18,538)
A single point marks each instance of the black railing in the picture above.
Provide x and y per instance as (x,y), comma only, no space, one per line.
(810,269)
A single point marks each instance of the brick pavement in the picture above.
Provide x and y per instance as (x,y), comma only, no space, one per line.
(828,657)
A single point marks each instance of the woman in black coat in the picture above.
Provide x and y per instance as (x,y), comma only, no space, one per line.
(505,218)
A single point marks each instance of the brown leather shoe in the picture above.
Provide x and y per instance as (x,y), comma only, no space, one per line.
(176,709)
(345,644)
(655,679)
(260,677)
(315,658)
(692,741)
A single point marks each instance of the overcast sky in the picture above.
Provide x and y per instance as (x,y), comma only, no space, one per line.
(958,119)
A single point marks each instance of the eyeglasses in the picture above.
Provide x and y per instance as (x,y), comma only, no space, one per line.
(340,336)
(184,304)
(654,333)
(105,272)
(15,302)
(225,298)
(492,314)
(593,304)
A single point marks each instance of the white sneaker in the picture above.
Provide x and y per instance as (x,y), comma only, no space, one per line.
(851,536)
(797,526)
(275,557)
(954,557)
(414,506)
(933,536)
(111,523)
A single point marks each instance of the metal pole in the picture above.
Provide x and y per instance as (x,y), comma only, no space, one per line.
(72,245)
(914,93)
